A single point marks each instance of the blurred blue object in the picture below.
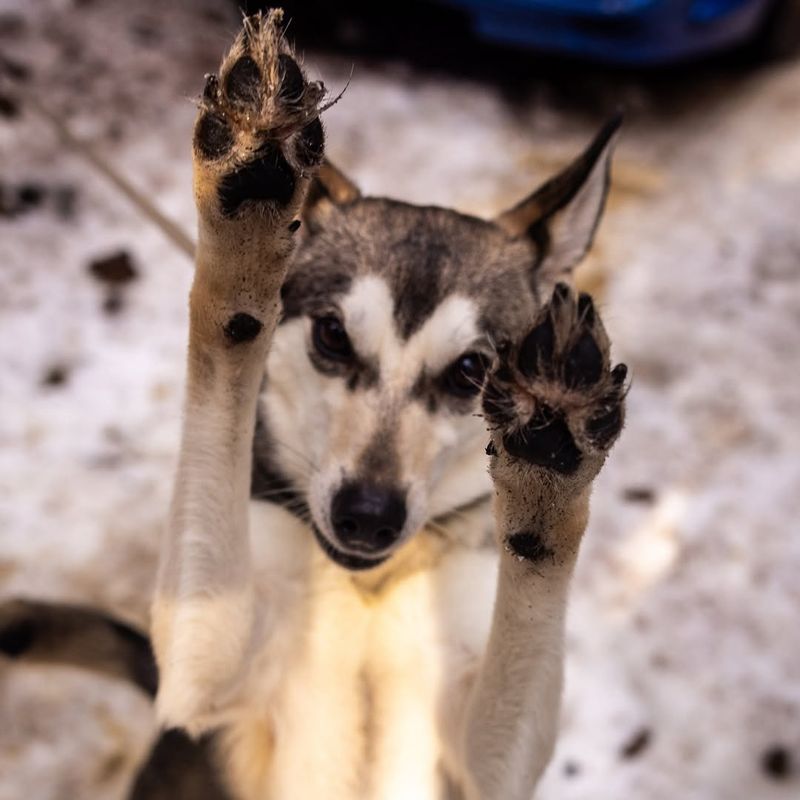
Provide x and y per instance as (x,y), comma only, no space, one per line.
(620,31)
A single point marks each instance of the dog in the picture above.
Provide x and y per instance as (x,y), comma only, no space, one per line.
(394,416)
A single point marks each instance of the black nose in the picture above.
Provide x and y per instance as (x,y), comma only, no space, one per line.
(367,517)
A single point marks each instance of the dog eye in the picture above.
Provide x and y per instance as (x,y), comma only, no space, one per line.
(331,339)
(464,376)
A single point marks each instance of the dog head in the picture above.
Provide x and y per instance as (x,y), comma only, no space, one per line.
(392,313)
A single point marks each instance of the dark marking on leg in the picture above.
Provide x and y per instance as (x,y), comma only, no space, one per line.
(537,348)
(243,82)
(242,327)
(212,135)
(267,178)
(584,363)
(545,441)
(292,82)
(311,144)
(529,546)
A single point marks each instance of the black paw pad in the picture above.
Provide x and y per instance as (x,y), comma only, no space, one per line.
(311,144)
(546,442)
(292,82)
(584,363)
(242,327)
(268,178)
(537,348)
(243,82)
(212,136)
(529,546)
(17,638)
(603,429)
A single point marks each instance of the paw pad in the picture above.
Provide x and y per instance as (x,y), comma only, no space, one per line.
(262,116)
(529,546)
(269,177)
(243,82)
(213,136)
(553,399)
(293,83)
(545,441)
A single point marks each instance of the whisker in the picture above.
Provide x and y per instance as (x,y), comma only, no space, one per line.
(295,452)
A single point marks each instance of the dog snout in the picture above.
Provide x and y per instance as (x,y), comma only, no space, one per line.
(367,517)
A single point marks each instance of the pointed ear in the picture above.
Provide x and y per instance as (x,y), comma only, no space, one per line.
(330,188)
(562,215)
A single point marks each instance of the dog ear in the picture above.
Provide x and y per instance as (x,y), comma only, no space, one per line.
(562,215)
(330,188)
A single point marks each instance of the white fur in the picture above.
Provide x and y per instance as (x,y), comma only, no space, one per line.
(424,678)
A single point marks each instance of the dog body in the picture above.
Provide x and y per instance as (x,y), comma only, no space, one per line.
(358,597)
(363,677)
(360,681)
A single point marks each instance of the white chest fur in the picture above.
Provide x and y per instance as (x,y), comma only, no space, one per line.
(361,674)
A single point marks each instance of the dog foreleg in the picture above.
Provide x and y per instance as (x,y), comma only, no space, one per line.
(257,142)
(555,409)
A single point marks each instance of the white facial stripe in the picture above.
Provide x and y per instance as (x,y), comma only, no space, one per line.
(451,330)
(368,312)
(369,318)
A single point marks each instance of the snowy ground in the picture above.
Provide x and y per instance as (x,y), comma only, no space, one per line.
(684,642)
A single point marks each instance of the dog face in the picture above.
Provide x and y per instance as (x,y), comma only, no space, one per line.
(392,314)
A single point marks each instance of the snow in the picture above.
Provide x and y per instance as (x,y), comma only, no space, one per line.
(683,628)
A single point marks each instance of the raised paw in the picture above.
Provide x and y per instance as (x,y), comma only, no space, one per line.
(258,137)
(551,399)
